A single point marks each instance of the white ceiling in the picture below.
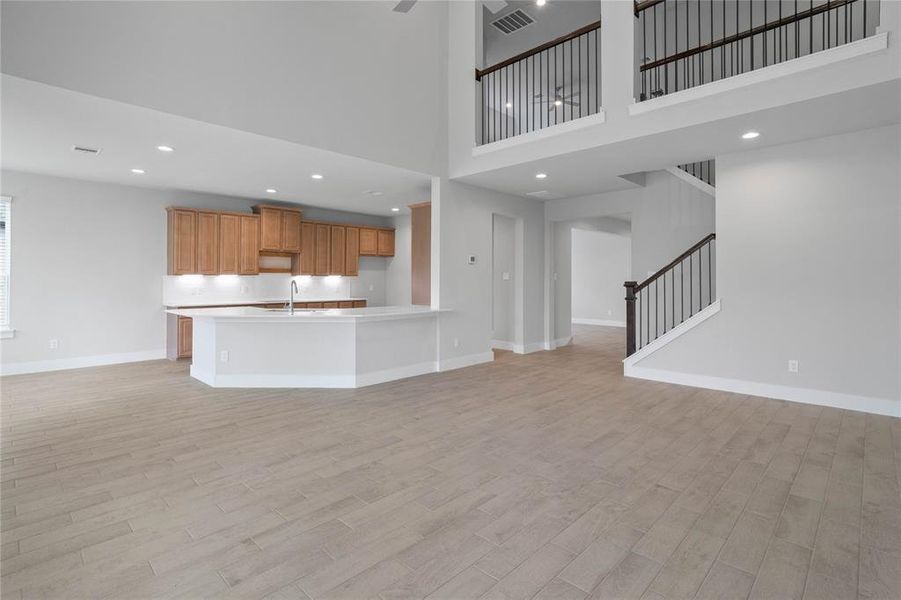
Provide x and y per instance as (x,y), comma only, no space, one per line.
(41,123)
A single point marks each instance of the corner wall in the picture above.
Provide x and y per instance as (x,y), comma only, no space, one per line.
(808,266)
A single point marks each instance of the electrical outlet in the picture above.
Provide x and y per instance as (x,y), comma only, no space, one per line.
(371,287)
(53,344)
(456,342)
(792,366)
(609,312)
(223,356)
(245,289)
(505,276)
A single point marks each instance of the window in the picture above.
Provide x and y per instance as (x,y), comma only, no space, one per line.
(4,263)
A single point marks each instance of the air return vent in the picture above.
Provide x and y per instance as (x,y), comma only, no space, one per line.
(86,150)
(513,21)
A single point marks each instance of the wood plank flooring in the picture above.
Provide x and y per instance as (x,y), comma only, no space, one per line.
(542,476)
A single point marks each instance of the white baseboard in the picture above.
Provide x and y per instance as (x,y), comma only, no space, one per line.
(677,331)
(311,381)
(375,377)
(879,406)
(599,322)
(62,364)
(458,362)
(503,345)
(558,343)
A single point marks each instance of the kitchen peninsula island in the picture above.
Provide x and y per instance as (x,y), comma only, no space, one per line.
(330,348)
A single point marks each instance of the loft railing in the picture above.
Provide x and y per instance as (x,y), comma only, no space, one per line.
(686,43)
(552,83)
(705,170)
(651,310)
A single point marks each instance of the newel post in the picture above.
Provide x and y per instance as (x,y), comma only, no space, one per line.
(630,316)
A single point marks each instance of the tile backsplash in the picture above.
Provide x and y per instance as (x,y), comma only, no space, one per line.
(182,290)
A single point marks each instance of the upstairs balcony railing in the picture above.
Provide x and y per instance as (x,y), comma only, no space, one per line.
(705,170)
(686,43)
(552,83)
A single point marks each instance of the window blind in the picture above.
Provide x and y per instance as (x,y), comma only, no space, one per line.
(4,263)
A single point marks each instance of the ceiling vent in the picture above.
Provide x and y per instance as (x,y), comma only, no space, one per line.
(513,21)
(86,150)
(543,195)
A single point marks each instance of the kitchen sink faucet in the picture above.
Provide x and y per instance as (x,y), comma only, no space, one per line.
(293,291)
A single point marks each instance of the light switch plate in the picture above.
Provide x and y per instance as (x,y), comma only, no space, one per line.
(506,276)
(792,366)
(223,356)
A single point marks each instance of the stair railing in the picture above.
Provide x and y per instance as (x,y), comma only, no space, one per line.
(670,296)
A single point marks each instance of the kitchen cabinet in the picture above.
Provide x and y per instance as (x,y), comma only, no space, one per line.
(249,245)
(322,264)
(359,304)
(182,241)
(352,251)
(369,241)
(279,228)
(337,250)
(229,243)
(185,336)
(329,305)
(386,242)
(207,242)
(421,253)
(305,263)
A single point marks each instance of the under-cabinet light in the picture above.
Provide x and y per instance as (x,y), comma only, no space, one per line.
(750,135)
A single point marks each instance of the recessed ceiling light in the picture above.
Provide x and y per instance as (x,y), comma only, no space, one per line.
(316,176)
(165,148)
(558,102)
(138,171)
(750,135)
(540,2)
(540,175)
(395,209)
(509,105)
(375,193)
(271,190)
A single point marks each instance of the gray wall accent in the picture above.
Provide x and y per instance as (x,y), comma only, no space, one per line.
(809,258)
(600,265)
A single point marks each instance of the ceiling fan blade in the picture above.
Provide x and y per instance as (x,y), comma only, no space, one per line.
(404,6)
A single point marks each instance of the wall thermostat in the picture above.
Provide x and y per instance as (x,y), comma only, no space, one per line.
(472,259)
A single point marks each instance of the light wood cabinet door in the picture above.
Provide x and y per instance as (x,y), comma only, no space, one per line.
(337,250)
(386,242)
(369,242)
(207,243)
(291,235)
(323,246)
(352,251)
(329,305)
(421,253)
(249,256)
(182,241)
(305,262)
(270,228)
(185,337)
(229,243)
(359,304)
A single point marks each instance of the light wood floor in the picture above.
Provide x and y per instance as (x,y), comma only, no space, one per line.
(539,476)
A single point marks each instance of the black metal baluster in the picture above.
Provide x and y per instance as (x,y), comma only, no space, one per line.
(700,280)
(709,275)
(597,68)
(581,99)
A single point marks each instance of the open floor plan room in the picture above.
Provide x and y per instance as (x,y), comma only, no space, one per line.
(483,299)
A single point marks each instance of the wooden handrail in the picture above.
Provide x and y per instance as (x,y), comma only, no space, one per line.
(788,20)
(645,4)
(537,49)
(673,263)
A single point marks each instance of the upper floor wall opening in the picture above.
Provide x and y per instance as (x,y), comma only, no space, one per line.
(682,44)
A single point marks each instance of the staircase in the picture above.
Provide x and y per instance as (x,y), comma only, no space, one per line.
(682,289)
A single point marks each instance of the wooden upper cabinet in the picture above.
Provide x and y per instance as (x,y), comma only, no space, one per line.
(369,242)
(385,242)
(352,251)
(249,255)
(291,234)
(182,241)
(229,243)
(323,246)
(305,264)
(337,250)
(207,242)
(270,228)
(421,252)
(279,228)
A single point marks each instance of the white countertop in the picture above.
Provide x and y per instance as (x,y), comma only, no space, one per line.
(252,301)
(253,313)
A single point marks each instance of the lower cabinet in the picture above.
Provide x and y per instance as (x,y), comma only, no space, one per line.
(185,337)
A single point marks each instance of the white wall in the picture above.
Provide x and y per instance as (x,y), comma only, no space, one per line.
(399,282)
(667,216)
(600,265)
(89,264)
(463,215)
(809,269)
(343,76)
(503,291)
